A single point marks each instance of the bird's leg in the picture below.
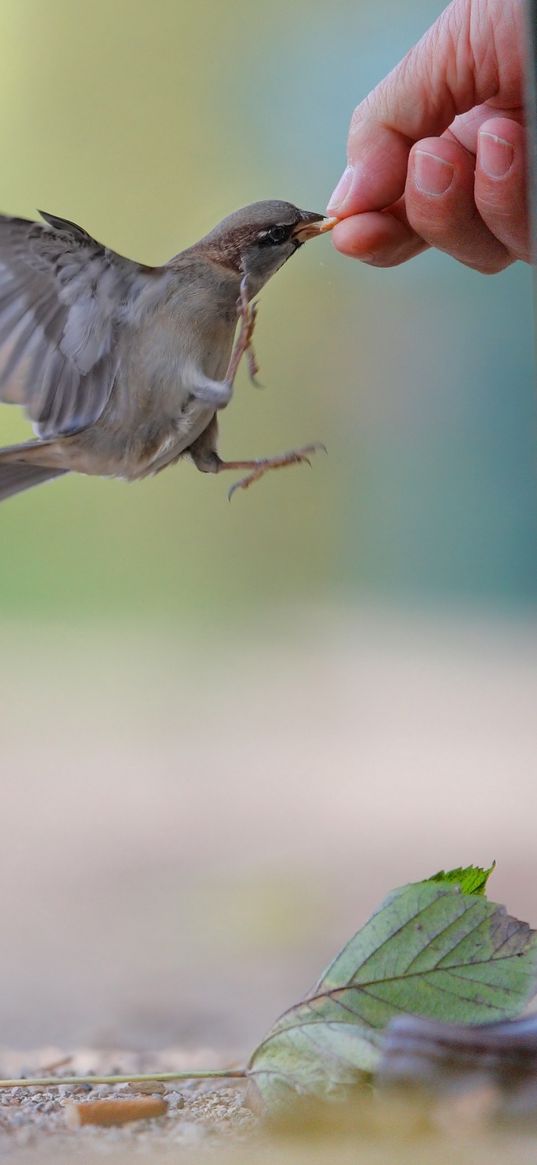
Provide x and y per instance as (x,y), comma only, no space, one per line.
(264,464)
(243,346)
(219,392)
(253,366)
(205,457)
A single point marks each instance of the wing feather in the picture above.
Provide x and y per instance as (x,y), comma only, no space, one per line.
(62,305)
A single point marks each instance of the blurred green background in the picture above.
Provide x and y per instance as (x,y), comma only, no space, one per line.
(147,123)
(219,748)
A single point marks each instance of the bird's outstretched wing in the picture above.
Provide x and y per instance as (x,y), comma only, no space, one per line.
(62,297)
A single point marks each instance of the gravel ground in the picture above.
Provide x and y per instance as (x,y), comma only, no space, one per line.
(211,1125)
(198,1115)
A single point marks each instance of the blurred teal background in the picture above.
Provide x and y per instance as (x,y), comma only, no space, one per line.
(222,740)
(147,124)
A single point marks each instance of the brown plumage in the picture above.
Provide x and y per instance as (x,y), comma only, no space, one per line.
(121,367)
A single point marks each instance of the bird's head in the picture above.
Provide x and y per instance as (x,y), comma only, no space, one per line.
(258,239)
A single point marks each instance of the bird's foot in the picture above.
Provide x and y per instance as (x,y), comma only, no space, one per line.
(253,366)
(247,314)
(259,468)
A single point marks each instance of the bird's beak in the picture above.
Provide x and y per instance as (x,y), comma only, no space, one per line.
(311,225)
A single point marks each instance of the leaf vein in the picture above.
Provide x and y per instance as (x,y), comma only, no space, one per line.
(452,922)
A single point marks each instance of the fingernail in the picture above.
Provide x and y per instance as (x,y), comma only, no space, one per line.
(432,175)
(342,189)
(495,154)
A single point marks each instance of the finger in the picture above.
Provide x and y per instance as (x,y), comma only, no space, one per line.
(466,127)
(439,202)
(437,80)
(374,237)
(381,238)
(500,184)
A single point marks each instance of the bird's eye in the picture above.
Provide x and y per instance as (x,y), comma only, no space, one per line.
(276,235)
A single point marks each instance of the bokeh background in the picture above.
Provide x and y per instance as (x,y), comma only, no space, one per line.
(228,730)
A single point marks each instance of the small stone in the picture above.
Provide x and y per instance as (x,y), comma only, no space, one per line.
(175,1099)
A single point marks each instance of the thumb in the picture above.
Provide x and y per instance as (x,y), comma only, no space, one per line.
(452,68)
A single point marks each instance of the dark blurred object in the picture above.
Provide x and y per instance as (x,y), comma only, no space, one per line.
(423,1051)
(422,1055)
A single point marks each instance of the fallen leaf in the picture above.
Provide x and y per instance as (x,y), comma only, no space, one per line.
(431,950)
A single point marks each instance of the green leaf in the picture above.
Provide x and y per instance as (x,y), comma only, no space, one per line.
(470,879)
(429,950)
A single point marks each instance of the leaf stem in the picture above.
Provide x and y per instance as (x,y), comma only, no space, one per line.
(195,1074)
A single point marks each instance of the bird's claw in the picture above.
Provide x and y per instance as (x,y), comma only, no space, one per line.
(253,368)
(259,468)
(242,484)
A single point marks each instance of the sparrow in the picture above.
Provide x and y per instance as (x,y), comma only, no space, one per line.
(122,367)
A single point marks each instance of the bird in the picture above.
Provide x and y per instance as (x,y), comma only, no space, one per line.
(122,367)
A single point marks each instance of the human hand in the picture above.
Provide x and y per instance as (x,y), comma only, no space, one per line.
(436,153)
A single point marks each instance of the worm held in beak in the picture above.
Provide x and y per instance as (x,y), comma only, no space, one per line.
(313,225)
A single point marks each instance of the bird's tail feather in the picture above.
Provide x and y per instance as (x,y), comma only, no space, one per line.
(16,476)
